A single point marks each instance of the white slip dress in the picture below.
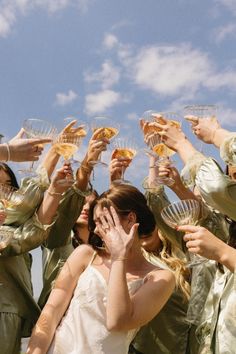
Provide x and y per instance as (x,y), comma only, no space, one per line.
(83,328)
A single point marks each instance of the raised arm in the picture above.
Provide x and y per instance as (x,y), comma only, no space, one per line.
(19,149)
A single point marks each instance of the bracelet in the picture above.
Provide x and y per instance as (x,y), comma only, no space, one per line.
(52,194)
(86,168)
(8,152)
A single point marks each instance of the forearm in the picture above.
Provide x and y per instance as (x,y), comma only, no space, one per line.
(119,306)
(219,136)
(83,175)
(227,257)
(43,332)
(50,161)
(48,207)
(185,150)
(182,192)
(3,152)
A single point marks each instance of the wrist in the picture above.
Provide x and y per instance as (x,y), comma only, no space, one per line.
(54,193)
(218,136)
(7,152)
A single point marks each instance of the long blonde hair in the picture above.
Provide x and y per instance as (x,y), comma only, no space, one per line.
(173,257)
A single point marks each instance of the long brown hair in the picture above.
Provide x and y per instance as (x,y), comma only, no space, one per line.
(125,199)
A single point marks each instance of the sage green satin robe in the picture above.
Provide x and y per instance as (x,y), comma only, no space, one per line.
(177,318)
(15,261)
(58,245)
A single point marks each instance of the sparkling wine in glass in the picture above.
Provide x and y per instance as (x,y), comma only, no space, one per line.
(184,212)
(158,147)
(81,133)
(9,197)
(66,145)
(124,148)
(103,127)
(40,129)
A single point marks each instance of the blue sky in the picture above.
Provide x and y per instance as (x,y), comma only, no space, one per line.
(116,58)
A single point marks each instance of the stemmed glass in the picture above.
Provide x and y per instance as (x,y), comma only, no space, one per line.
(124,148)
(81,132)
(193,112)
(184,212)
(37,128)
(158,147)
(66,144)
(9,196)
(103,127)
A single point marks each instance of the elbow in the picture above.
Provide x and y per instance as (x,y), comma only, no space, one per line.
(114,326)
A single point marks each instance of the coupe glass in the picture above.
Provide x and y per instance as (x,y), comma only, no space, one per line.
(124,148)
(37,128)
(105,128)
(82,133)
(158,147)
(194,112)
(184,212)
(66,144)
(9,196)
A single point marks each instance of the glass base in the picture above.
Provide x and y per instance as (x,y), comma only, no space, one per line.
(66,182)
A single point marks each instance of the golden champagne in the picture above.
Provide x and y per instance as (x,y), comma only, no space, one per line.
(81,133)
(123,153)
(162,150)
(106,132)
(65,149)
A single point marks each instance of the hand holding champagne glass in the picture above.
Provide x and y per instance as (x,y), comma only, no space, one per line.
(124,149)
(184,212)
(103,128)
(37,128)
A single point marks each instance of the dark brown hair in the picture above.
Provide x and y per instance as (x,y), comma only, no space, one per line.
(8,170)
(125,199)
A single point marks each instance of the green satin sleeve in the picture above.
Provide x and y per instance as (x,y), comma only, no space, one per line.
(217,189)
(228,149)
(26,237)
(53,261)
(33,190)
(68,212)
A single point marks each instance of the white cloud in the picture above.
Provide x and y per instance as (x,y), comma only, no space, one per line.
(110,41)
(229,4)
(10,10)
(133,116)
(225,31)
(62,99)
(107,77)
(226,116)
(170,70)
(101,101)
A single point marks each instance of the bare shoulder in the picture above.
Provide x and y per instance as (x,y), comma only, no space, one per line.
(164,275)
(81,256)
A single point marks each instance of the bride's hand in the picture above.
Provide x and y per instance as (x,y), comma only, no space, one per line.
(117,241)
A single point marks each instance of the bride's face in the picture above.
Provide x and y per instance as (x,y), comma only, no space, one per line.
(125,221)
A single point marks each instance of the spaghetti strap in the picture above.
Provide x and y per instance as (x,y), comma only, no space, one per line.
(92,259)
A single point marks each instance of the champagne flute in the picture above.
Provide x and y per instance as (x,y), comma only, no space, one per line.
(9,197)
(184,212)
(192,114)
(37,128)
(124,148)
(103,127)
